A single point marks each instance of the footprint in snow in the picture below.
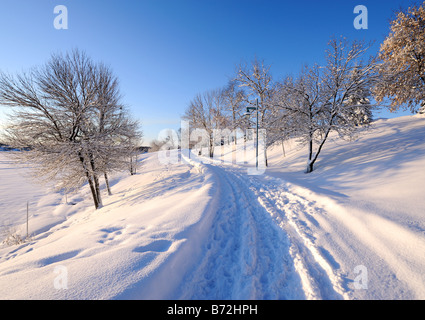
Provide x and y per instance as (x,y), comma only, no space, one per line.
(156,246)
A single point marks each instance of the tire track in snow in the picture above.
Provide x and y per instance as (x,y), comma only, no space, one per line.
(247,256)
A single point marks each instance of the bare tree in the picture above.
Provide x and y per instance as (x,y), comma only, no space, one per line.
(330,98)
(68,114)
(205,112)
(301,102)
(156,145)
(257,82)
(234,107)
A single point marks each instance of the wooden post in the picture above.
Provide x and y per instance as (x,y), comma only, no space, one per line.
(27,217)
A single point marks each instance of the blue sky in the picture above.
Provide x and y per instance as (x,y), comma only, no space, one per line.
(166,51)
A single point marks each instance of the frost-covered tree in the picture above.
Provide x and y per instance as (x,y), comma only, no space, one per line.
(402,53)
(346,78)
(69,115)
(257,82)
(115,136)
(206,112)
(234,107)
(357,106)
(301,101)
(334,97)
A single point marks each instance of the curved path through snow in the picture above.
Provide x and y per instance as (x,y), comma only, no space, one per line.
(254,253)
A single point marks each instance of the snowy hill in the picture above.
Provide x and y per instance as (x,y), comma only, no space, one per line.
(352,229)
(372,195)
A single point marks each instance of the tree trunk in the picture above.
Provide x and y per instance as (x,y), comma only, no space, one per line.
(310,154)
(310,164)
(96,181)
(90,181)
(309,167)
(97,188)
(131,165)
(93,191)
(107,184)
(211,147)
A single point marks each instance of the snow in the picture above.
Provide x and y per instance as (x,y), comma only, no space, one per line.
(106,252)
(207,230)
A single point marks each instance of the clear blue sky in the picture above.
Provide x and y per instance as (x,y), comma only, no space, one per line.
(164,52)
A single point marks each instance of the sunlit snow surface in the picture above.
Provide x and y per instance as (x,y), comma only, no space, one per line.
(210,231)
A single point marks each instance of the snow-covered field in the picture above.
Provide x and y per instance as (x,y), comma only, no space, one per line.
(353,229)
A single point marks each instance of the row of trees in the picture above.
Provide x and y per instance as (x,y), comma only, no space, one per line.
(69,115)
(338,96)
(321,99)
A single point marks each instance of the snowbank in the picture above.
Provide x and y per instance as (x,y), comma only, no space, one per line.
(151,225)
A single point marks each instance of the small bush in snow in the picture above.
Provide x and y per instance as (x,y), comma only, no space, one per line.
(11,237)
